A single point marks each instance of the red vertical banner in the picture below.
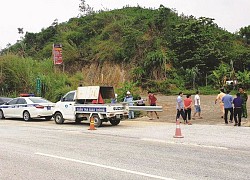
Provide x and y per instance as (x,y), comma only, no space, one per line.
(57,53)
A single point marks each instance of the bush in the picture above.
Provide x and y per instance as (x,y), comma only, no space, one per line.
(128,86)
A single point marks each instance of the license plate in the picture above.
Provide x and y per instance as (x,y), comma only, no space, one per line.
(48,108)
(118,116)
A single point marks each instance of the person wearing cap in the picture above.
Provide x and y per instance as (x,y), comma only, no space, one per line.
(114,100)
(129,99)
(244,97)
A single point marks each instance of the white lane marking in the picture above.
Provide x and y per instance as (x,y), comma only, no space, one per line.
(183,143)
(104,166)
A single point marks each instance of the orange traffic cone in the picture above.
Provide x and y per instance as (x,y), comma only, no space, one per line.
(178,130)
(92,124)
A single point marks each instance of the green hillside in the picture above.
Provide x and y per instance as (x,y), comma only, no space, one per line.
(155,49)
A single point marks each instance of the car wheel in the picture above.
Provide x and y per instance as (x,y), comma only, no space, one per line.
(47,118)
(98,121)
(26,116)
(1,115)
(115,122)
(58,118)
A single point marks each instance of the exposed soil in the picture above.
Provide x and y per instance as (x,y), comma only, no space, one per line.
(210,111)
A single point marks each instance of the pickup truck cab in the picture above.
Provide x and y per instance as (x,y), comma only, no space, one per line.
(89,102)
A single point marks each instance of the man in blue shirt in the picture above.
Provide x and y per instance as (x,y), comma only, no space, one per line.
(238,101)
(228,100)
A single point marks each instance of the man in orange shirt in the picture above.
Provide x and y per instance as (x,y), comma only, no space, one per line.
(219,98)
(187,106)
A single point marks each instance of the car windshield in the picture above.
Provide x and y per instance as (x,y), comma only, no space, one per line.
(39,100)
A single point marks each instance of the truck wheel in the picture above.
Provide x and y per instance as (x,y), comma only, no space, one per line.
(26,116)
(98,121)
(115,122)
(58,118)
(78,121)
(1,115)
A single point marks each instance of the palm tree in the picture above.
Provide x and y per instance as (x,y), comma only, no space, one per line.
(193,72)
(221,74)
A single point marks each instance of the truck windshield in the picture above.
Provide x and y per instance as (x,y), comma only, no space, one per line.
(69,97)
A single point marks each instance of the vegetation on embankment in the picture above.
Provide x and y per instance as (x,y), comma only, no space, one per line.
(154,49)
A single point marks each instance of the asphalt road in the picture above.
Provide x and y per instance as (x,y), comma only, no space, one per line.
(132,150)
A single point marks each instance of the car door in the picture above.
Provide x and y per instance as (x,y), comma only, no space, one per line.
(21,105)
(9,110)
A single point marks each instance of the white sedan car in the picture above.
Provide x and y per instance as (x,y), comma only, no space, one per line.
(27,108)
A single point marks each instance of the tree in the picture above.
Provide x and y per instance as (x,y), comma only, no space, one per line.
(193,73)
(155,64)
(21,42)
(243,78)
(85,9)
(245,34)
(162,19)
(20,30)
(220,75)
(55,23)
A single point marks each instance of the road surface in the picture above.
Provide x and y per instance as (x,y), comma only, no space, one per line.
(130,151)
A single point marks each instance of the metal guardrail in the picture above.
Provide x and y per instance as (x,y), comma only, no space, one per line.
(146,108)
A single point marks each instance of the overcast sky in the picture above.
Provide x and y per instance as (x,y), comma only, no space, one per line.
(33,15)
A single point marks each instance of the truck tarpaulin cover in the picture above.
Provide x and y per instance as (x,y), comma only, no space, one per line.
(57,54)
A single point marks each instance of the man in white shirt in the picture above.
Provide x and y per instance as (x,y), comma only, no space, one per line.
(197,105)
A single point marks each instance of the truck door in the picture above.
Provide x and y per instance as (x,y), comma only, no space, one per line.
(67,106)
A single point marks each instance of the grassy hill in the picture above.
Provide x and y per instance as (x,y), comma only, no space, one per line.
(155,48)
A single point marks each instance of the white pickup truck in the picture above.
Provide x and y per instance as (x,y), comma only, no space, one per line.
(86,102)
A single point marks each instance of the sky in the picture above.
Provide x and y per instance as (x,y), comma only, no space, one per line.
(33,15)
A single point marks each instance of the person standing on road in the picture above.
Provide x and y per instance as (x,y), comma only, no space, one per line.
(219,98)
(152,102)
(197,105)
(180,108)
(228,100)
(238,101)
(129,100)
(244,97)
(188,106)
